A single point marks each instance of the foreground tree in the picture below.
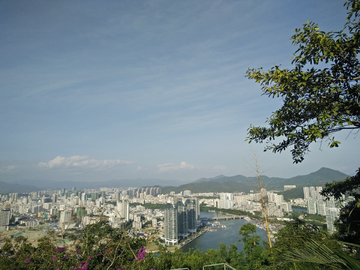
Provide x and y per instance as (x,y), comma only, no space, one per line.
(254,255)
(321,94)
(348,225)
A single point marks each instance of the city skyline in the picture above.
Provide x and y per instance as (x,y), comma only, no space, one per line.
(125,90)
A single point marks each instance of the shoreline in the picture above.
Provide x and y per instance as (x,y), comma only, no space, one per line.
(198,235)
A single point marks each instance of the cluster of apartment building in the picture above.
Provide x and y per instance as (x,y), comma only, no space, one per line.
(317,204)
(251,202)
(180,220)
(73,207)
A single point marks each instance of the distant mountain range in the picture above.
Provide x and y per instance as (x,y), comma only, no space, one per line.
(219,183)
(18,188)
(240,183)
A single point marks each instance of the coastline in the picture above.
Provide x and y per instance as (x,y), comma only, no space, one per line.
(181,245)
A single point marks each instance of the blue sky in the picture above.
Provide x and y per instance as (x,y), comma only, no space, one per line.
(101,90)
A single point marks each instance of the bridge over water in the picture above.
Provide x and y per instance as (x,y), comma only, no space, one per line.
(227,217)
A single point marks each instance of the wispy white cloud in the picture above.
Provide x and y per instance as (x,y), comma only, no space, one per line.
(173,167)
(81,162)
(9,168)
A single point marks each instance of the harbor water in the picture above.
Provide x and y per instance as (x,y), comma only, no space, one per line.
(227,236)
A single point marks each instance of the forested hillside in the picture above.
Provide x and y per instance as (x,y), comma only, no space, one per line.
(240,183)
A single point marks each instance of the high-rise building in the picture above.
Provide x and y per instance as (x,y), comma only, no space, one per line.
(182,220)
(311,206)
(137,223)
(226,200)
(313,193)
(53,211)
(65,216)
(321,207)
(275,198)
(191,215)
(123,209)
(279,199)
(286,207)
(80,212)
(36,209)
(318,195)
(332,214)
(197,208)
(131,193)
(306,193)
(4,217)
(34,195)
(171,228)
(330,203)
(94,196)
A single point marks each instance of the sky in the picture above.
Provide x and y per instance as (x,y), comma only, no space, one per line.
(104,90)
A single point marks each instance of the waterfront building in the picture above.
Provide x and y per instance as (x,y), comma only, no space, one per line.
(182,220)
(191,215)
(171,228)
(332,214)
(197,208)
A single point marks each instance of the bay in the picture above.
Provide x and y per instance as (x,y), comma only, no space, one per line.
(227,236)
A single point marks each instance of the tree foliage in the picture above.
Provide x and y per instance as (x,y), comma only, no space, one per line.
(348,225)
(320,94)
